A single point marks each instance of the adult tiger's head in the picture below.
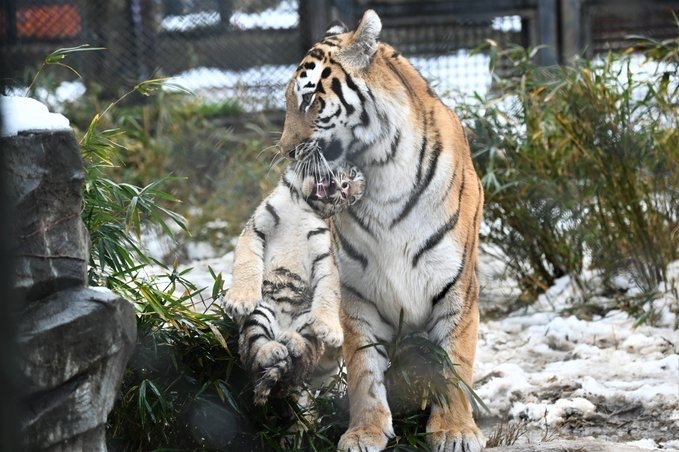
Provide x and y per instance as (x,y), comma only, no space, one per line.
(330,104)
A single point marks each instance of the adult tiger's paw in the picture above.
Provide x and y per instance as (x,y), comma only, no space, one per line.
(328,331)
(241,303)
(456,441)
(363,440)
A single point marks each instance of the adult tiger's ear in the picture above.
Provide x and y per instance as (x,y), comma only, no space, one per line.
(335,27)
(358,53)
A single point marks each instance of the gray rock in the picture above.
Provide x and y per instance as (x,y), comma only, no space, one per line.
(581,445)
(75,344)
(44,176)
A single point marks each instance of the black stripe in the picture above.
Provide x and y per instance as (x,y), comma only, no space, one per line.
(253,323)
(271,286)
(396,141)
(263,307)
(449,187)
(254,338)
(382,353)
(435,238)
(438,297)
(274,214)
(290,300)
(328,118)
(354,291)
(316,232)
(286,272)
(336,86)
(403,80)
(352,86)
(316,53)
(352,252)
(359,221)
(294,193)
(417,194)
(363,299)
(316,260)
(259,233)
(423,149)
(459,198)
(311,338)
(319,258)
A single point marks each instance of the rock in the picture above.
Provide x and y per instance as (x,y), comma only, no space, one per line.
(581,445)
(76,344)
(44,176)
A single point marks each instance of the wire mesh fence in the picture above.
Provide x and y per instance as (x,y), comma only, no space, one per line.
(247,49)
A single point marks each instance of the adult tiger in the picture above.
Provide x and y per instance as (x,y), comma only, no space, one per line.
(411,244)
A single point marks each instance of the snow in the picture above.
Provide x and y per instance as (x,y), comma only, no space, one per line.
(284,15)
(67,91)
(256,89)
(23,114)
(556,370)
(188,22)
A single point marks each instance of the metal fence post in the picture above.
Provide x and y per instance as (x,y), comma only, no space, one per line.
(314,16)
(571,31)
(10,21)
(547,34)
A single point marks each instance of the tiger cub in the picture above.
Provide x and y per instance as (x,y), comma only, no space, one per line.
(285,293)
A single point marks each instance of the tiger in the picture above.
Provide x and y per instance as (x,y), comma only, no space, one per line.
(410,247)
(285,292)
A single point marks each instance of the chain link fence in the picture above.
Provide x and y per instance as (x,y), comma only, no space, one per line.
(247,49)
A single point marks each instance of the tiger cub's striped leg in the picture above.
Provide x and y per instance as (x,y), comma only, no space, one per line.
(454,325)
(304,347)
(267,359)
(370,424)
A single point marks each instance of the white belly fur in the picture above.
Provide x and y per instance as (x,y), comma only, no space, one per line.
(389,279)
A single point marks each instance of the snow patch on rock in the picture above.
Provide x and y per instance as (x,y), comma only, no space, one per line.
(23,114)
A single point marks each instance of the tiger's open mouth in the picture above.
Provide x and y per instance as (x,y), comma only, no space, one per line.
(324,188)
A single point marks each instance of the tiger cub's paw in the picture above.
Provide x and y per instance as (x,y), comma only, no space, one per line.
(328,330)
(240,303)
(272,364)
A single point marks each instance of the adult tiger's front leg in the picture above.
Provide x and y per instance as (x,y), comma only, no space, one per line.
(370,426)
(454,325)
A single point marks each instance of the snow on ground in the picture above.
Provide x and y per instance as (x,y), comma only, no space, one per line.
(563,376)
(602,377)
(23,114)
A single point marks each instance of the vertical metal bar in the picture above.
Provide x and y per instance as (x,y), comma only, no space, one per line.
(319,17)
(571,29)
(10,8)
(314,16)
(547,31)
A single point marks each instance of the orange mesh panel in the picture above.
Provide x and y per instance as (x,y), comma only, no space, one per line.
(48,21)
